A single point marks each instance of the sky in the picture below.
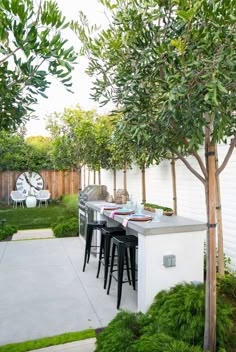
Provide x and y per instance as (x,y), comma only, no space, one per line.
(58,97)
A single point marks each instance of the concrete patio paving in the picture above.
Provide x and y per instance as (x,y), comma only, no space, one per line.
(44,291)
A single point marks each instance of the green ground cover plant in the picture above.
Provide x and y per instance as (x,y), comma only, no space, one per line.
(48,341)
(174,322)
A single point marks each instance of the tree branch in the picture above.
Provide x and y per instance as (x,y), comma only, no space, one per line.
(9,55)
(38,13)
(227,157)
(187,164)
(201,164)
(196,155)
(24,83)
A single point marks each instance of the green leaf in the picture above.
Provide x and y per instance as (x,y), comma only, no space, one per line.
(186,15)
(43,95)
(221,88)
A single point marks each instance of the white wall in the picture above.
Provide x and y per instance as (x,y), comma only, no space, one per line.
(190,192)
(228,196)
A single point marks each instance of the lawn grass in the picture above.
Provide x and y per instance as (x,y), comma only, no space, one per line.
(36,218)
(48,341)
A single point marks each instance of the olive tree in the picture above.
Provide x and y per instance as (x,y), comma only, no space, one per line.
(170,67)
(32,47)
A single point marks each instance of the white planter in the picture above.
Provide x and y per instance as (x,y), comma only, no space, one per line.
(31,202)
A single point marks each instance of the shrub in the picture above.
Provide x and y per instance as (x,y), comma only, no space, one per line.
(180,313)
(227,286)
(121,333)
(163,343)
(71,203)
(174,323)
(227,261)
(7,231)
(60,220)
(68,228)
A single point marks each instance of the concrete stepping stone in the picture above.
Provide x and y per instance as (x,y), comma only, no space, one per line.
(33,234)
(87,345)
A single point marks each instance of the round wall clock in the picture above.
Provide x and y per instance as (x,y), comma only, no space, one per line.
(29,183)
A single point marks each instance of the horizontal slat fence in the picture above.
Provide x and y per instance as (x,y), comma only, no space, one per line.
(57,182)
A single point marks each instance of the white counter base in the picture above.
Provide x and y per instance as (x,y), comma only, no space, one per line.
(153,277)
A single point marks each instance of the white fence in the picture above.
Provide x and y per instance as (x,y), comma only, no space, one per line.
(190,192)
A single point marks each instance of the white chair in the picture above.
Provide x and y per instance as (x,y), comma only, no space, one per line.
(17,198)
(43,197)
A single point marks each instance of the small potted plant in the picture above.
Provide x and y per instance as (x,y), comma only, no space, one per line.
(152,207)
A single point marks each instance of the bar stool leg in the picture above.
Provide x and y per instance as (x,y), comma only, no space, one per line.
(89,243)
(107,246)
(101,252)
(87,247)
(121,255)
(127,266)
(111,268)
(132,252)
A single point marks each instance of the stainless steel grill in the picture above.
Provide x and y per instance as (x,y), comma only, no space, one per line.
(89,193)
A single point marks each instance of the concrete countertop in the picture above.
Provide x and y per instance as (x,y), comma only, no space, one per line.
(167,224)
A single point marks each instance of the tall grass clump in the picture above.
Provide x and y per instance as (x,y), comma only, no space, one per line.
(70,201)
(163,343)
(120,334)
(180,313)
(173,323)
(226,287)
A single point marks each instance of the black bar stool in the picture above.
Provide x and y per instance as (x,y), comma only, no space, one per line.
(123,245)
(107,233)
(91,226)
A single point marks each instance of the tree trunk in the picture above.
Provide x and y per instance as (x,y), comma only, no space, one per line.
(54,195)
(99,177)
(79,178)
(125,176)
(173,173)
(221,265)
(210,321)
(8,187)
(84,176)
(143,184)
(207,280)
(72,182)
(114,189)
(94,177)
(88,176)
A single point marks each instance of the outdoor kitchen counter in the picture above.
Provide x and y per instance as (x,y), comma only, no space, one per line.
(169,252)
(167,224)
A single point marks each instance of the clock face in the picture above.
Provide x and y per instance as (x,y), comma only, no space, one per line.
(29,183)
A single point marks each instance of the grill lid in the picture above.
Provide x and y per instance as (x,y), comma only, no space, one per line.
(93,192)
